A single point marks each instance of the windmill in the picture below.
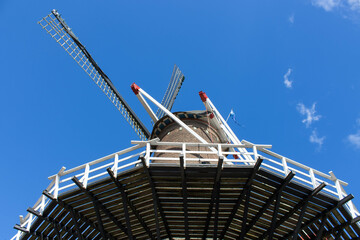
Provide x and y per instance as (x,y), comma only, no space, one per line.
(190,178)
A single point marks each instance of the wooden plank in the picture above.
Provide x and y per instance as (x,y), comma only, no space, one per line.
(168,184)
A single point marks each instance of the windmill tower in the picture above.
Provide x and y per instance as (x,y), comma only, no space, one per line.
(189,178)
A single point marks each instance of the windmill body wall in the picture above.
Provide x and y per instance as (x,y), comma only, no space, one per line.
(175,133)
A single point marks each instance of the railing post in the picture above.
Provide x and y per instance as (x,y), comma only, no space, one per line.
(18,235)
(183,152)
(147,154)
(285,166)
(313,179)
(354,212)
(219,150)
(86,175)
(56,186)
(341,193)
(337,185)
(338,188)
(255,153)
(115,167)
(29,222)
(42,206)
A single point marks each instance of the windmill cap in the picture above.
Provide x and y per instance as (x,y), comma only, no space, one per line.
(166,120)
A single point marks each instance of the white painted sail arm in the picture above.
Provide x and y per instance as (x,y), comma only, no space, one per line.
(172,116)
(147,107)
(136,89)
(222,120)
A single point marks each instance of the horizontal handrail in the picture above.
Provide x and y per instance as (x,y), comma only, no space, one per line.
(245,153)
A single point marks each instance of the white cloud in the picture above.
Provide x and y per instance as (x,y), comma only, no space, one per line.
(327,5)
(342,5)
(287,82)
(310,114)
(354,4)
(358,121)
(292,18)
(314,138)
(354,139)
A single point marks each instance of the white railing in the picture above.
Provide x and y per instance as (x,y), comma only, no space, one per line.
(128,158)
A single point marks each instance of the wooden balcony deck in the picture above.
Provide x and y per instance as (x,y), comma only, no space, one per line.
(166,201)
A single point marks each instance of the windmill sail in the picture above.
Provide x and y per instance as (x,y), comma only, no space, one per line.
(61,32)
(177,78)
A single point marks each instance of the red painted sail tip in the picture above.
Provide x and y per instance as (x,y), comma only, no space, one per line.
(203,96)
(135,88)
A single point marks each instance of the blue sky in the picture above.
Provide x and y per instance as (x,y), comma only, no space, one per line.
(289,69)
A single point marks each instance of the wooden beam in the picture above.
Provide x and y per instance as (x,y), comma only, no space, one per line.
(126,202)
(216,217)
(322,226)
(98,205)
(214,193)
(76,223)
(299,222)
(266,206)
(55,224)
(338,234)
(96,208)
(296,207)
(35,224)
(32,232)
(340,227)
(241,196)
(246,209)
(184,195)
(323,216)
(76,216)
(156,202)
(56,228)
(274,217)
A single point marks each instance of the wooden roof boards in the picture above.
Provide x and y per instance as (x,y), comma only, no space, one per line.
(157,209)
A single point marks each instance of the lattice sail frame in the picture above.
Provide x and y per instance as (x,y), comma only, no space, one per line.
(56,27)
(177,78)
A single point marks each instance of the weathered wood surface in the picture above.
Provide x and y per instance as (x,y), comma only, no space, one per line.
(199,183)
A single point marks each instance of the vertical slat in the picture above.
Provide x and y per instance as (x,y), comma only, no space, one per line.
(214,193)
(125,204)
(241,196)
(321,227)
(244,218)
(75,216)
(299,223)
(273,197)
(133,209)
(156,203)
(293,210)
(274,217)
(323,216)
(184,195)
(216,217)
(99,206)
